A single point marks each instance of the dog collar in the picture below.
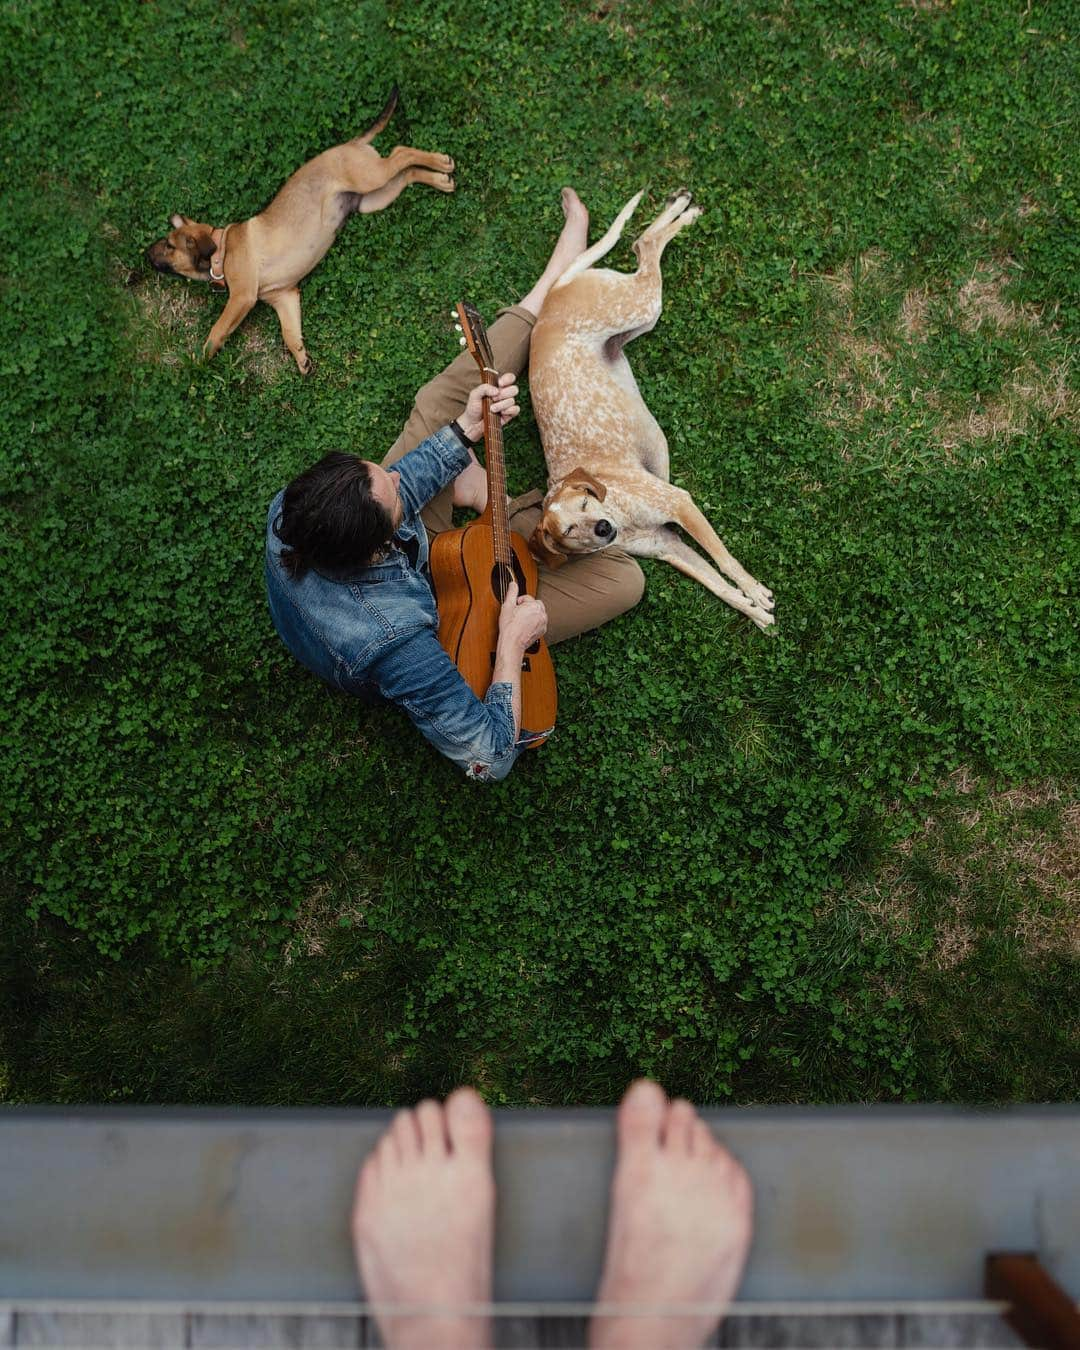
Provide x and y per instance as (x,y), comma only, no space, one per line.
(217,263)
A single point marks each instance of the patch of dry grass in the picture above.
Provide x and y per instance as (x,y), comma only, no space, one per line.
(170,320)
(321,912)
(1009,413)
(914,314)
(167,322)
(264,354)
(859,365)
(981,300)
(1020,844)
(870,372)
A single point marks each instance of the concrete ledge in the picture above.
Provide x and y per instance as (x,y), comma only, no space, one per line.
(181,1204)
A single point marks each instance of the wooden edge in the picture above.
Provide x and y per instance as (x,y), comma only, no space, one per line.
(1040,1311)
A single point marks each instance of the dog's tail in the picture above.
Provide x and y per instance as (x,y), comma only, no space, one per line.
(381,120)
(585,260)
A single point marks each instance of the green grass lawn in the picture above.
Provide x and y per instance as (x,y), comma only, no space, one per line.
(834,863)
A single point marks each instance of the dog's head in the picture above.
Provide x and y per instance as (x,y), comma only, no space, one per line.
(186,251)
(573,520)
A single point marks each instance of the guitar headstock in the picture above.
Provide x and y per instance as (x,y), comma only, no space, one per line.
(474,336)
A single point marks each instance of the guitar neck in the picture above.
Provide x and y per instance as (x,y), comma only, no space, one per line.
(495,464)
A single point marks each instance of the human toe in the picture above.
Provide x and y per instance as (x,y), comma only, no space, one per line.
(406,1135)
(431,1127)
(468,1122)
(702,1139)
(679,1126)
(640,1117)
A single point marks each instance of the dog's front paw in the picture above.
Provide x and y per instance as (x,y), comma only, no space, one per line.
(447,165)
(764,618)
(306,366)
(446,183)
(759,595)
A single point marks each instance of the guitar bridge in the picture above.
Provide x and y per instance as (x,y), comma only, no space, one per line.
(524,660)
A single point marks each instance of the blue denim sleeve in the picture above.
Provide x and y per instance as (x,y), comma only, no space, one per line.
(426,470)
(478,735)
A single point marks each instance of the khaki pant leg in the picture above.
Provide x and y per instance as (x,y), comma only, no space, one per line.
(443,399)
(584,592)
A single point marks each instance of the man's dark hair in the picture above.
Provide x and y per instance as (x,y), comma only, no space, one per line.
(330,520)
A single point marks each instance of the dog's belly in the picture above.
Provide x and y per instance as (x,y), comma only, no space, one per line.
(589,409)
(301,257)
(297,229)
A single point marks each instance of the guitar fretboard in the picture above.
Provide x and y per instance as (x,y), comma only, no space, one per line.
(496,476)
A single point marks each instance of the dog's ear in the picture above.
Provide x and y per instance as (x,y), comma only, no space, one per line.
(542,547)
(204,245)
(581,478)
(178,222)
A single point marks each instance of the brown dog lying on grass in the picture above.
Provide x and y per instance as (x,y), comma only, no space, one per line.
(265,257)
(607,457)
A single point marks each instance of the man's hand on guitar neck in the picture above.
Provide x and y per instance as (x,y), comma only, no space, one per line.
(470,486)
(503,402)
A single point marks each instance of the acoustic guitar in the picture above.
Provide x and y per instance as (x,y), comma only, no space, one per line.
(471,570)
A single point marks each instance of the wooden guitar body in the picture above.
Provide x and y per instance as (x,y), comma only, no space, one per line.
(466,582)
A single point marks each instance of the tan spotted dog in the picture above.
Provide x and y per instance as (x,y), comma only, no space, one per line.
(607,457)
(265,258)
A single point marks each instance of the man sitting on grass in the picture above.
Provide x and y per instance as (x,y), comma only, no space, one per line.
(347,556)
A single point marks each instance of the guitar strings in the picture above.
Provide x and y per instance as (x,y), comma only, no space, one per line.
(496,469)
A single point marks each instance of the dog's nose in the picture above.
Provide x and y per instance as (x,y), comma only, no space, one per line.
(604,529)
(156,262)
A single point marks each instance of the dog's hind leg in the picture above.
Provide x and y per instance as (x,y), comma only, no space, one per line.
(639,297)
(357,170)
(405,157)
(389,192)
(649,245)
(676,205)
(666,545)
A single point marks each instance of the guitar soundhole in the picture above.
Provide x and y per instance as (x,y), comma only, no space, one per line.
(501,577)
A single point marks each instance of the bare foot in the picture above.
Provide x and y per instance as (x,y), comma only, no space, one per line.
(576,230)
(423,1223)
(679,1227)
(573,241)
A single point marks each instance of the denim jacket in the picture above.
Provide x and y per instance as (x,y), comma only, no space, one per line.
(372,632)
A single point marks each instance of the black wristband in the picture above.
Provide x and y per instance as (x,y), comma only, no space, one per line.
(455,427)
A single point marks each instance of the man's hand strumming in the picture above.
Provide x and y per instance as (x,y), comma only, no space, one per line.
(522,619)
